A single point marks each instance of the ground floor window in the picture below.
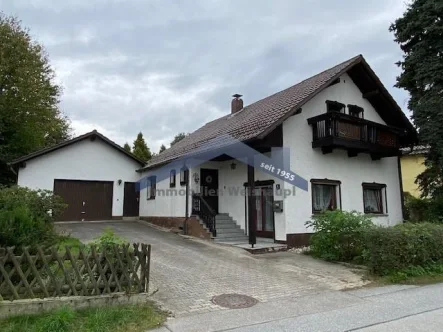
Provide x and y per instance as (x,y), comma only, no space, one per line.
(374,197)
(325,195)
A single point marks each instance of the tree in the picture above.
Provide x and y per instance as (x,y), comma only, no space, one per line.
(162,148)
(178,138)
(30,118)
(127,147)
(419,32)
(140,148)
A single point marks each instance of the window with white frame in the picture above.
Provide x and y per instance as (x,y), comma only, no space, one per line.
(374,198)
(325,195)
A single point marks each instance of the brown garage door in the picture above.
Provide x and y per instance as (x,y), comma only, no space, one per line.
(87,200)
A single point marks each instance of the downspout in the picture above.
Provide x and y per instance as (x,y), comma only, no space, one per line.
(185,223)
(402,196)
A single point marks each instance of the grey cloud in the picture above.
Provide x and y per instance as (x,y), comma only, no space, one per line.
(163,67)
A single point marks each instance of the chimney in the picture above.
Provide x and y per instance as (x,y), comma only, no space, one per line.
(236,104)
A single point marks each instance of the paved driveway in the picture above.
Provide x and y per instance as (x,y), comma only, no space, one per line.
(186,273)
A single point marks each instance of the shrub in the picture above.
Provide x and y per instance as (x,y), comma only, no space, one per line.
(108,238)
(423,209)
(338,235)
(26,218)
(390,250)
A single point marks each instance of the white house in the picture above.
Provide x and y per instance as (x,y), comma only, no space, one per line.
(342,132)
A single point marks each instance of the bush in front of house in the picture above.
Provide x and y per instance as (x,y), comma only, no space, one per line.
(392,249)
(423,209)
(26,216)
(339,235)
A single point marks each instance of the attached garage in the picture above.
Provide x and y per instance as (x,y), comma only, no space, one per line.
(95,177)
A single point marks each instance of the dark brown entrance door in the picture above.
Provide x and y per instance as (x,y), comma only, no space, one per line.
(86,200)
(209,187)
(264,197)
(131,200)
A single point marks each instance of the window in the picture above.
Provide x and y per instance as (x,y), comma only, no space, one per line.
(184,175)
(374,194)
(335,106)
(325,195)
(356,111)
(172,179)
(151,188)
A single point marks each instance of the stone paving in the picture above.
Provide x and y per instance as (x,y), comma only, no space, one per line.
(186,273)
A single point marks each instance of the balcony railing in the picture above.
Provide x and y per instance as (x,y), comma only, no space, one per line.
(338,130)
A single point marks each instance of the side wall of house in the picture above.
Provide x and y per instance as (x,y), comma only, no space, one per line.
(84,160)
(311,163)
(169,202)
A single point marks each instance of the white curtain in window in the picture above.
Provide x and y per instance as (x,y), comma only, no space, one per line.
(322,197)
(372,200)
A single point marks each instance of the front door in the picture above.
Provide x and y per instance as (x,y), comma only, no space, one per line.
(264,197)
(209,187)
(131,200)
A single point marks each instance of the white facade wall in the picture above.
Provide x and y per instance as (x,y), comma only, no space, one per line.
(169,202)
(311,163)
(84,160)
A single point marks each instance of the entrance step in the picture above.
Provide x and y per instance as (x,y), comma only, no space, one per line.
(228,231)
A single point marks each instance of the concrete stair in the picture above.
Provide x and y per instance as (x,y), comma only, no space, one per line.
(228,231)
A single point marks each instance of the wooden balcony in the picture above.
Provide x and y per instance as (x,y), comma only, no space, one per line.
(342,131)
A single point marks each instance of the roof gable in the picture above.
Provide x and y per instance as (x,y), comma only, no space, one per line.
(91,135)
(257,120)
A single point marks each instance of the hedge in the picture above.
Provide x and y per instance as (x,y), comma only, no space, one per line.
(395,248)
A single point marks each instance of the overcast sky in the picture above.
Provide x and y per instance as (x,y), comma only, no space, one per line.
(164,66)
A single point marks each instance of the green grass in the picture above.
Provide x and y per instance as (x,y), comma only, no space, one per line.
(130,318)
(71,242)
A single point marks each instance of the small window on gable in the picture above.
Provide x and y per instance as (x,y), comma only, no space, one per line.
(356,111)
(374,198)
(325,195)
(172,179)
(184,175)
(151,188)
(335,106)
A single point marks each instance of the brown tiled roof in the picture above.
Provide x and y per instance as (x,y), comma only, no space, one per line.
(258,119)
(93,133)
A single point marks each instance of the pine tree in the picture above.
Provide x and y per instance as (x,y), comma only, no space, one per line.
(178,138)
(162,148)
(140,148)
(420,36)
(127,147)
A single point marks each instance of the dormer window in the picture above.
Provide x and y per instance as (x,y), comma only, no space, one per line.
(356,111)
(335,106)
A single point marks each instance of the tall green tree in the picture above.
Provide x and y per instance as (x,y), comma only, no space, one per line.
(178,138)
(140,148)
(30,117)
(127,147)
(162,148)
(419,32)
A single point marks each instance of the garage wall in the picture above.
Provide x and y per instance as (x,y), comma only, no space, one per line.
(84,160)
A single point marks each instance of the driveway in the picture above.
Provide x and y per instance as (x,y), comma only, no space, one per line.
(186,273)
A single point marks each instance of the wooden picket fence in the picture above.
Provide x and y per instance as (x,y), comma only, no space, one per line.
(51,272)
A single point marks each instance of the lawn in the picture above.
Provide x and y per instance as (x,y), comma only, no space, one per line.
(130,318)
